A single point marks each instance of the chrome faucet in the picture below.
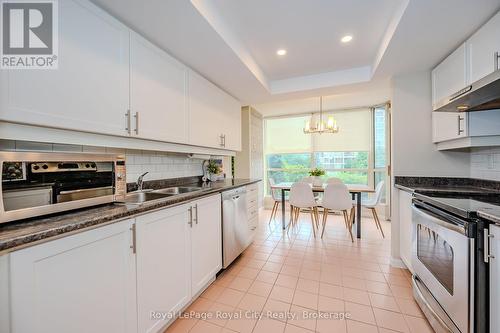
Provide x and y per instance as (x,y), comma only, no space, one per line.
(140,181)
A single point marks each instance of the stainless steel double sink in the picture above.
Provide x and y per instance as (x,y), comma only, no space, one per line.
(140,197)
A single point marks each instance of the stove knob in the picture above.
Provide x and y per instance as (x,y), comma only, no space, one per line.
(87,165)
(45,166)
(93,165)
(36,167)
(59,165)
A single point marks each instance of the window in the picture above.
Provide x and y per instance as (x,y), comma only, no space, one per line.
(357,154)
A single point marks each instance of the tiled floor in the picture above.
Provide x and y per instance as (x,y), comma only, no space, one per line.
(295,283)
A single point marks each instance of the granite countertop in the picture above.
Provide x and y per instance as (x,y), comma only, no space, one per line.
(439,185)
(15,235)
(490,214)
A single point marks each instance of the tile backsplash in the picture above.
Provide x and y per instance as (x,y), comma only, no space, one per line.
(485,163)
(160,165)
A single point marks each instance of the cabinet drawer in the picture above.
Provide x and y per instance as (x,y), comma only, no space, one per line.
(252,214)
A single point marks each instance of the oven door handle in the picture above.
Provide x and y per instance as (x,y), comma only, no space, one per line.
(443,219)
(420,298)
(86,190)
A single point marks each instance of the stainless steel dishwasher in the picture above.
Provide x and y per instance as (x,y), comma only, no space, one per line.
(236,233)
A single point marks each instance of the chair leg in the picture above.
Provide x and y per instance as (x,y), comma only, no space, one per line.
(316,214)
(312,221)
(290,223)
(296,215)
(377,221)
(325,216)
(347,220)
(273,212)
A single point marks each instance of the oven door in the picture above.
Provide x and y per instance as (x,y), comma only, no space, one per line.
(441,259)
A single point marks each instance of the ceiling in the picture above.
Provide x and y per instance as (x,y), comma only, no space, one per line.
(233,43)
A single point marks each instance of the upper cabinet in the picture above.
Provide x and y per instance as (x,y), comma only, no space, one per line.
(215,116)
(158,92)
(483,48)
(90,89)
(112,81)
(450,75)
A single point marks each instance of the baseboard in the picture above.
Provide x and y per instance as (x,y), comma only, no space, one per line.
(397,262)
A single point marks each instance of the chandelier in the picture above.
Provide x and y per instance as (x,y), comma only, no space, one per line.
(319,126)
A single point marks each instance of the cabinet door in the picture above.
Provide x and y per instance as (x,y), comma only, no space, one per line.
(494,279)
(232,130)
(163,265)
(449,126)
(206,240)
(405,228)
(206,112)
(157,93)
(482,47)
(450,75)
(80,283)
(90,89)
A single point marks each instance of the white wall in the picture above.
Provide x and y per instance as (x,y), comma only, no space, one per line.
(413,153)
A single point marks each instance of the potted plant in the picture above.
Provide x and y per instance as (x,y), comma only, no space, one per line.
(317,174)
(213,169)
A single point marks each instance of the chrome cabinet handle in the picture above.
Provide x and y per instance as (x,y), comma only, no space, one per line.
(221,140)
(486,250)
(136,123)
(196,213)
(134,239)
(128,129)
(496,56)
(224,140)
(190,222)
(460,130)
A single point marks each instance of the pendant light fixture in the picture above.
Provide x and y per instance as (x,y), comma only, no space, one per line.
(313,126)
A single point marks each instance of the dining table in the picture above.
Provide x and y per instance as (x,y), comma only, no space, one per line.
(355,190)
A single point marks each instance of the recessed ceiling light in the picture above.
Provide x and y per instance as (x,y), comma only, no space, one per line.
(281,52)
(346,39)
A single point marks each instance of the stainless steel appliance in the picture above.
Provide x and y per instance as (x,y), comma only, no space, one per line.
(447,258)
(483,94)
(35,184)
(237,234)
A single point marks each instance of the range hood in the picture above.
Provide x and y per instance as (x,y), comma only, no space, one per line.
(482,95)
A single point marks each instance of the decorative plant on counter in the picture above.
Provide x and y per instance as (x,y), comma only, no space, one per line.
(318,172)
(213,168)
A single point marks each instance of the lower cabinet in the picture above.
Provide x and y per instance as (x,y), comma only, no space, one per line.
(163,241)
(494,278)
(206,242)
(129,276)
(405,228)
(80,283)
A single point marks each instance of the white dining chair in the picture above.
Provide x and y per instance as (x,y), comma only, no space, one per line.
(372,203)
(308,180)
(301,197)
(276,196)
(334,180)
(337,198)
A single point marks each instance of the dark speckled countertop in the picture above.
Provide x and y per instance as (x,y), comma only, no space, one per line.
(15,235)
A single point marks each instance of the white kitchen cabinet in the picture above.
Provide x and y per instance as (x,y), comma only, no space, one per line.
(483,48)
(214,116)
(206,241)
(405,228)
(450,75)
(448,126)
(90,89)
(163,264)
(158,93)
(495,278)
(80,283)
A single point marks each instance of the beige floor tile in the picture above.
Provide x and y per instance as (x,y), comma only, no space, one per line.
(224,279)
(418,325)
(241,323)
(269,325)
(182,325)
(218,313)
(287,281)
(391,320)
(200,305)
(359,327)
(260,288)
(255,263)
(252,302)
(212,292)
(205,327)
(353,283)
(327,304)
(241,284)
(309,286)
(310,274)
(295,329)
(282,294)
(305,299)
(302,317)
(248,272)
(384,302)
(409,307)
(378,287)
(268,277)
(277,310)
(356,296)
(402,292)
(327,325)
(272,267)
(330,290)
(291,270)
(360,312)
(230,297)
